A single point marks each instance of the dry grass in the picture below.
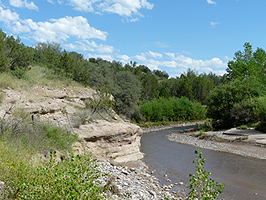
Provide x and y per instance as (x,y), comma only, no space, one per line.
(44,76)
(37,75)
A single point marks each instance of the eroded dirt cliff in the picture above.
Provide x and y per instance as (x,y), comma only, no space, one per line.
(108,138)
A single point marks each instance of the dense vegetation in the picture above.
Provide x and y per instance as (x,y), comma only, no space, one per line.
(136,89)
(172,109)
(239,101)
(128,84)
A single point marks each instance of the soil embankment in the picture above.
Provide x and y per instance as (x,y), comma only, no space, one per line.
(106,135)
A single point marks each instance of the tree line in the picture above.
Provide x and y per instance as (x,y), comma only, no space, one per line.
(231,99)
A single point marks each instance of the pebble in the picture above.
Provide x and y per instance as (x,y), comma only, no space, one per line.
(136,183)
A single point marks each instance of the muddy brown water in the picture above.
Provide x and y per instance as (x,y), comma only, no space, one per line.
(244,178)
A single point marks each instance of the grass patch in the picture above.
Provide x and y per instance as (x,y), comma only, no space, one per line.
(73,178)
(15,166)
(14,84)
(201,135)
(36,135)
(243,127)
(37,75)
(44,76)
(20,141)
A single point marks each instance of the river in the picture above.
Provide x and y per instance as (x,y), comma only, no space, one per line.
(244,178)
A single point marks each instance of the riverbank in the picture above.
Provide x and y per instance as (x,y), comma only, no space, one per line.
(164,127)
(135,183)
(248,143)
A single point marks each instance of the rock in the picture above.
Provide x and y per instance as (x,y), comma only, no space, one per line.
(137,185)
(117,141)
(112,186)
(153,194)
(2,188)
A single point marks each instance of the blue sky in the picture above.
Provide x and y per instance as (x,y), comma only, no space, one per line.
(170,35)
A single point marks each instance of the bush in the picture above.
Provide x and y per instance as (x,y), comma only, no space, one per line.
(172,109)
(223,98)
(74,178)
(15,166)
(201,186)
(261,127)
(249,111)
(35,135)
(260,108)
(59,138)
(207,126)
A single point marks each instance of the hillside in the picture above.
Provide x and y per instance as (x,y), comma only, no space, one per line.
(103,133)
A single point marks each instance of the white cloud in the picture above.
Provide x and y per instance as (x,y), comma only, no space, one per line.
(23,3)
(90,46)
(211,2)
(213,24)
(83,5)
(171,55)
(124,58)
(104,57)
(61,29)
(162,45)
(180,63)
(154,54)
(8,16)
(125,8)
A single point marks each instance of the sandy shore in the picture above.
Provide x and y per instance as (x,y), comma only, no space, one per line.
(233,145)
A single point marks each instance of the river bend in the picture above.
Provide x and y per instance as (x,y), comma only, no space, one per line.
(244,178)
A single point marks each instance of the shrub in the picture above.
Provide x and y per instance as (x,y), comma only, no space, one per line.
(249,111)
(201,186)
(35,135)
(15,166)
(242,127)
(223,98)
(207,126)
(260,109)
(74,178)
(59,138)
(261,127)
(172,109)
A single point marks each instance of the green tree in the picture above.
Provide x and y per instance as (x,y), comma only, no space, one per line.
(126,92)
(19,56)
(3,55)
(223,98)
(149,86)
(66,65)
(47,54)
(247,63)
(161,74)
